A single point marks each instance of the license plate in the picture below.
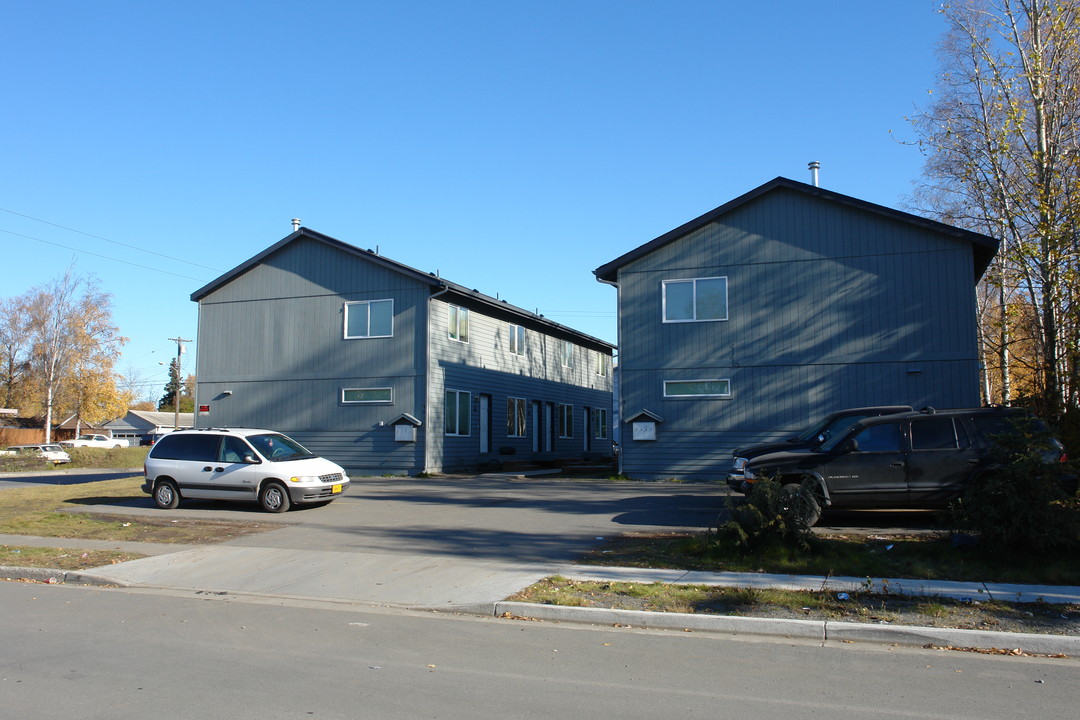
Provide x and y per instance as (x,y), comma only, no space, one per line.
(335,490)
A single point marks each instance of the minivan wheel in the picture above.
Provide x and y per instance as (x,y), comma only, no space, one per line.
(802,501)
(166,495)
(274,497)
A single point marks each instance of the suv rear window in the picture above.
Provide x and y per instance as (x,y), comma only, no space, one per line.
(201,448)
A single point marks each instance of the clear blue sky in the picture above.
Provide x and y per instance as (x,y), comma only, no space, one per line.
(513,146)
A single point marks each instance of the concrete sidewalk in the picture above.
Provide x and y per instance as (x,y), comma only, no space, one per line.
(479,587)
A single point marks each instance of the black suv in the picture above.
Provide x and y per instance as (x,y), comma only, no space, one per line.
(904,460)
(835,424)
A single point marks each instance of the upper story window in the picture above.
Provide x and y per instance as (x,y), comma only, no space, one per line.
(369,319)
(567,353)
(517,340)
(459,324)
(601,363)
(697,388)
(695,299)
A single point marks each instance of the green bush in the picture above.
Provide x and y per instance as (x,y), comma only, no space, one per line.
(1022,502)
(766,517)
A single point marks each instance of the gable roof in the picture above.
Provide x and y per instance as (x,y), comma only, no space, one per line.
(983,247)
(446,289)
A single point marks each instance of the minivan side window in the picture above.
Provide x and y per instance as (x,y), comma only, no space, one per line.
(233,450)
(199,448)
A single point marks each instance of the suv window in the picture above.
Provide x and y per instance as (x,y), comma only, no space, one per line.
(879,438)
(933,434)
(200,448)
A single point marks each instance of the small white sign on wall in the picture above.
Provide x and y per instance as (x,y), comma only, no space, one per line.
(644,431)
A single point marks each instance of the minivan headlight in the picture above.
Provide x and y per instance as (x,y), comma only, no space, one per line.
(303,478)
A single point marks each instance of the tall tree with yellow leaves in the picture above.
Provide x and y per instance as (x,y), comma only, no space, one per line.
(73,347)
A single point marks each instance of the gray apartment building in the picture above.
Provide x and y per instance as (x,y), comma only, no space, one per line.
(778,307)
(387,369)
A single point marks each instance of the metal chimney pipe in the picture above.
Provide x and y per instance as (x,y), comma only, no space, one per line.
(814,166)
(295,224)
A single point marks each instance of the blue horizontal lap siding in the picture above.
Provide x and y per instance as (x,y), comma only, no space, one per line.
(829,307)
(485,366)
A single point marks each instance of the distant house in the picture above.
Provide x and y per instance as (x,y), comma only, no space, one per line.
(780,306)
(136,423)
(387,369)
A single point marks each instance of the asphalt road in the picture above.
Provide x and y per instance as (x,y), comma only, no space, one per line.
(69,651)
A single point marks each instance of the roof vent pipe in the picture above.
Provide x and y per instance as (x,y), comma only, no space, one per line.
(295,224)
(814,166)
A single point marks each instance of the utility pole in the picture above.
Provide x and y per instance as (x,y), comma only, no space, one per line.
(179,379)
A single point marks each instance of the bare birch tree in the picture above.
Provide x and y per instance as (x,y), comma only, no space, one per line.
(1002,139)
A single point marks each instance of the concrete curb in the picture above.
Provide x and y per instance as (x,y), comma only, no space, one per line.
(819,630)
(53,577)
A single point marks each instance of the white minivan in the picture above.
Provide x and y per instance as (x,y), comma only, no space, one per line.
(239,464)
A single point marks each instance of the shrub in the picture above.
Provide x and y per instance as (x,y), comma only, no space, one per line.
(766,517)
(1021,502)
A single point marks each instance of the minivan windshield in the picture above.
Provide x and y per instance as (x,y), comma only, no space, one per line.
(277,448)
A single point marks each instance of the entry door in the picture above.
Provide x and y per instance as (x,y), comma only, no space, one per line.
(485,424)
(549,418)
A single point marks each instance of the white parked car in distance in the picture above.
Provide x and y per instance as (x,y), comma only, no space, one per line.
(95,441)
(53,453)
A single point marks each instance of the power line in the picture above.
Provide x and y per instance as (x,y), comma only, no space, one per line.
(106,257)
(114,242)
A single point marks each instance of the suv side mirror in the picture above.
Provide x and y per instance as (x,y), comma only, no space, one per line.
(851,446)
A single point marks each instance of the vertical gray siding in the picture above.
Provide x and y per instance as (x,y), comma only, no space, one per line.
(274,338)
(272,354)
(828,307)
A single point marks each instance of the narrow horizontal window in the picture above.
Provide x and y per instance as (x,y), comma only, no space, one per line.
(351,396)
(697,388)
(369,319)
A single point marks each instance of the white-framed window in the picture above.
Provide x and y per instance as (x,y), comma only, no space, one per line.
(357,396)
(697,388)
(369,319)
(600,423)
(517,340)
(457,411)
(695,300)
(567,353)
(459,324)
(600,364)
(564,420)
(515,417)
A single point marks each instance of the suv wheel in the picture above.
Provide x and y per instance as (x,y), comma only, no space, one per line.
(801,500)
